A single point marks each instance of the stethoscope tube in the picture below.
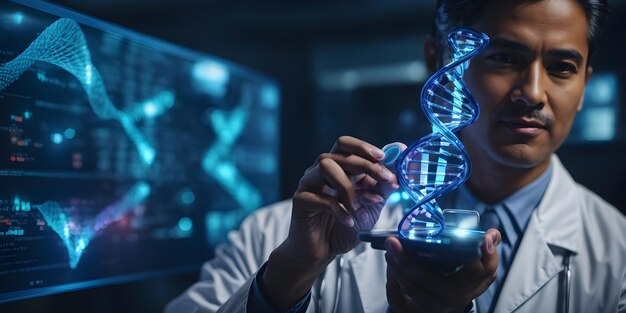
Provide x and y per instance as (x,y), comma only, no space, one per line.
(567,278)
(322,287)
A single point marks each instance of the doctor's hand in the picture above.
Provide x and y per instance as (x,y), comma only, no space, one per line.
(342,193)
(412,287)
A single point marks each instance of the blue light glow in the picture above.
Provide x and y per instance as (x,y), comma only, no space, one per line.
(211,77)
(269,96)
(599,124)
(56,138)
(394,197)
(460,232)
(19,205)
(149,109)
(187,197)
(18,17)
(185,224)
(405,196)
(69,133)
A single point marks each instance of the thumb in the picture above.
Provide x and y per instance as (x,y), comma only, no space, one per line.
(490,255)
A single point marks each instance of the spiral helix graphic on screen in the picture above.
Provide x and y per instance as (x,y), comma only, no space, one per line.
(63,44)
(438,162)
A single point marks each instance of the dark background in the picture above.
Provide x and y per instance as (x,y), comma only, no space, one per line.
(314,49)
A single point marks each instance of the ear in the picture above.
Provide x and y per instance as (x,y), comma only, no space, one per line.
(430,54)
(588,73)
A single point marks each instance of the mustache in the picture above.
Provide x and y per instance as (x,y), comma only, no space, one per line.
(533,113)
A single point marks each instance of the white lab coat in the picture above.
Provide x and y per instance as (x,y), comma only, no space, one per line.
(569,218)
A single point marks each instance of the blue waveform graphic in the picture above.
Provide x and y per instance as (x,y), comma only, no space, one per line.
(116,147)
(219,164)
(77,233)
(63,44)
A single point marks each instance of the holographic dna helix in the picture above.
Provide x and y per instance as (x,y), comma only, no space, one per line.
(438,162)
(63,44)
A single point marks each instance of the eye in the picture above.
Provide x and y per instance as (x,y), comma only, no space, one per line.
(503,59)
(563,69)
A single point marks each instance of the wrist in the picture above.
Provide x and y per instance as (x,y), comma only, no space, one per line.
(288,278)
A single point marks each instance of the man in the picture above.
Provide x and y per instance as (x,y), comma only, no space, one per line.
(559,247)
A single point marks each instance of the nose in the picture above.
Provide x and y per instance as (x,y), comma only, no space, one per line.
(531,89)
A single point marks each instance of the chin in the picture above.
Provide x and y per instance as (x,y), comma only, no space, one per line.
(521,156)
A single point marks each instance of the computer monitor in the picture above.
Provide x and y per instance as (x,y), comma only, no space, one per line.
(121,156)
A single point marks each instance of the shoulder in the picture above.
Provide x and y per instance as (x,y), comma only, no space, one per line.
(267,226)
(599,215)
(603,232)
(577,218)
(273,215)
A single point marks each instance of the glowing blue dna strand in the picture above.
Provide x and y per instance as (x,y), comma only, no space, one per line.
(438,162)
(76,234)
(63,44)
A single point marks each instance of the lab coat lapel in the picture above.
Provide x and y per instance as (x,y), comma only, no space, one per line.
(556,222)
(369,266)
(533,266)
(370,280)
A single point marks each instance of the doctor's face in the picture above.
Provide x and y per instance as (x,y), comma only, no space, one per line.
(529,82)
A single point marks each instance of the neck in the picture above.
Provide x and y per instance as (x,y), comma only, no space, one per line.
(492,182)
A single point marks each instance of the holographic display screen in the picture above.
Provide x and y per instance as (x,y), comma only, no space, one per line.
(121,157)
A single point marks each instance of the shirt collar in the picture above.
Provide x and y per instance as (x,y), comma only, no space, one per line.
(523,202)
(520,204)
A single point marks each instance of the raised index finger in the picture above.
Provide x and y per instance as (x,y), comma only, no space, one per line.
(351,145)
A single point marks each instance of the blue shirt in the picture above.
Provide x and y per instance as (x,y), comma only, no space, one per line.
(514,213)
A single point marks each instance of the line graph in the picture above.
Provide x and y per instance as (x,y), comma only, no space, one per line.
(77,233)
(63,44)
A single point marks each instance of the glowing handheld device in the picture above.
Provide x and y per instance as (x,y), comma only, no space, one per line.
(437,164)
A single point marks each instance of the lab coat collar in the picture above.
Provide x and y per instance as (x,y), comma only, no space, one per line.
(559,214)
(555,223)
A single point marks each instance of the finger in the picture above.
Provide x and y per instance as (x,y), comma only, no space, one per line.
(482,273)
(356,165)
(338,180)
(350,145)
(396,298)
(365,183)
(325,203)
(414,271)
(327,172)
(418,295)
(490,255)
(367,197)
(383,189)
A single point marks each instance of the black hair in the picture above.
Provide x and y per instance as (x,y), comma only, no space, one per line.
(454,13)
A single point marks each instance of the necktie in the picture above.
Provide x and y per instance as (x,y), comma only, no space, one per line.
(489,219)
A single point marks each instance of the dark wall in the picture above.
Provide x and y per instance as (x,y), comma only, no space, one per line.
(283,41)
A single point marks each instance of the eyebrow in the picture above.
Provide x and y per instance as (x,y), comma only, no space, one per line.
(520,47)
